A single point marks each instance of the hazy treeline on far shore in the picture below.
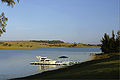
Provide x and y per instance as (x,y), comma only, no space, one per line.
(43,44)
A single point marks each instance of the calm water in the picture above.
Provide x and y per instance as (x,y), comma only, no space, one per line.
(14,63)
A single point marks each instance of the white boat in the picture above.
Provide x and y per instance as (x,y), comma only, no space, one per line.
(46,61)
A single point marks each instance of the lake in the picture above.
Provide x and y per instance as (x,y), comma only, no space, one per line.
(15,63)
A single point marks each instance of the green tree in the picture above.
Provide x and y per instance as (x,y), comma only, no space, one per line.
(117,44)
(112,47)
(111,44)
(4,19)
(105,43)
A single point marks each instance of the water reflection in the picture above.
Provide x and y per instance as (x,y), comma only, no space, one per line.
(14,63)
(45,67)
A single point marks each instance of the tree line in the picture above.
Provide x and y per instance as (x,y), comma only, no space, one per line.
(111,44)
(47,41)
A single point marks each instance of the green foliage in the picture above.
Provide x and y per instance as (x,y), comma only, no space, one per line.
(5,44)
(47,41)
(9,45)
(74,45)
(1,42)
(111,44)
(117,43)
(9,2)
(4,19)
(21,45)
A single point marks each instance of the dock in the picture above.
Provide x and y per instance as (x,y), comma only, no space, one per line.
(46,61)
(39,63)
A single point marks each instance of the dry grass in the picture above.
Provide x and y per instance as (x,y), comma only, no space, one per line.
(31,45)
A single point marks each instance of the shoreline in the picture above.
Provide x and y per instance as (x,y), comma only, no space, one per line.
(48,71)
(49,47)
(43,44)
(99,68)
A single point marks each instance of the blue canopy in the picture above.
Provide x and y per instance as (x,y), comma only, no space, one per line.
(63,57)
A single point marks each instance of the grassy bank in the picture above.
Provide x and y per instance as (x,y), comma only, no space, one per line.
(42,44)
(103,67)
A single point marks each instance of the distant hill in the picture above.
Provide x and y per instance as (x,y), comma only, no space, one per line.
(42,44)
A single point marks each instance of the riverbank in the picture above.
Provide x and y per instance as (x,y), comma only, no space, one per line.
(103,67)
(42,44)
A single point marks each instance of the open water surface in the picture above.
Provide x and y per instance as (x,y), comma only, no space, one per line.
(15,63)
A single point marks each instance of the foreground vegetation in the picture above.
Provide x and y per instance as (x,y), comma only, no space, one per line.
(103,67)
(42,44)
(111,44)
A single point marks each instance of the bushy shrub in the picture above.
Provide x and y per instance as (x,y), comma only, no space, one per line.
(5,44)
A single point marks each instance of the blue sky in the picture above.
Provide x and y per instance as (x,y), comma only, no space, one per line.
(83,21)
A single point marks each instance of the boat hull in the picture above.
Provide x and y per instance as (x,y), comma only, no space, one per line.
(38,63)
